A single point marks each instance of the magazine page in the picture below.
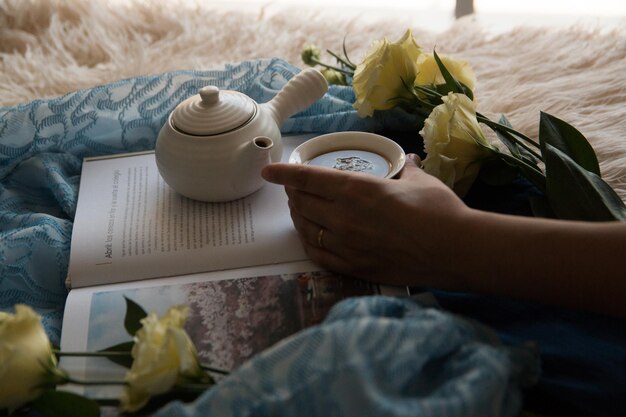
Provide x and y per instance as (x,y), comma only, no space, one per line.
(232,314)
(130,225)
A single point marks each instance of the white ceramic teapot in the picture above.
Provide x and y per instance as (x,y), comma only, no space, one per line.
(214,144)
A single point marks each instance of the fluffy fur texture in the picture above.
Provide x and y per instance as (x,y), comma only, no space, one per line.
(48,48)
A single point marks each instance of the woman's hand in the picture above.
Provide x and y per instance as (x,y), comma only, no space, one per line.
(384,230)
(416,231)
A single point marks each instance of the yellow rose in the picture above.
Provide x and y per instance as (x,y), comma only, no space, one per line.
(163,355)
(381,77)
(26,358)
(428,71)
(454,143)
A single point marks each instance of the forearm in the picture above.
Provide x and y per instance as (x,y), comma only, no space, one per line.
(415,231)
(575,264)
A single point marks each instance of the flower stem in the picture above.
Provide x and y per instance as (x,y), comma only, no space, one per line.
(428,92)
(214,369)
(343,71)
(104,382)
(343,61)
(106,354)
(499,126)
(534,175)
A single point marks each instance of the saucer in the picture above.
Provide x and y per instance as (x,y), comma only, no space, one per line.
(352,151)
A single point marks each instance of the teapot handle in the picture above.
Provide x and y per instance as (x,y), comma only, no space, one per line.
(304,89)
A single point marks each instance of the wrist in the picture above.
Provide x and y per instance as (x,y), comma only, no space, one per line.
(450,255)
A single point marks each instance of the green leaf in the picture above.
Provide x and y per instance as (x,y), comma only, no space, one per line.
(568,140)
(134,314)
(577,194)
(508,139)
(66,404)
(529,171)
(452,83)
(125,361)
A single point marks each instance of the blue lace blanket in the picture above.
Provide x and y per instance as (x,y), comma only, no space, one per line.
(376,356)
(42,145)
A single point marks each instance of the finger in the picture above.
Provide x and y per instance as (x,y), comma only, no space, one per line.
(320,248)
(310,233)
(311,179)
(316,209)
(318,243)
(411,167)
(413,160)
(314,234)
(328,260)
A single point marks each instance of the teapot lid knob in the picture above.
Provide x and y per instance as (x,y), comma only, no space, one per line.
(209,95)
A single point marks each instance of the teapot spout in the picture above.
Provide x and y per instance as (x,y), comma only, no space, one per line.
(304,89)
(259,152)
(256,154)
(262,144)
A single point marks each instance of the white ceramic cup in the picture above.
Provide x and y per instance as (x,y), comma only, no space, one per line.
(355,151)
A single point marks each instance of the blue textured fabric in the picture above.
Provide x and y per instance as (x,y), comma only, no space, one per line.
(376,356)
(583,355)
(42,145)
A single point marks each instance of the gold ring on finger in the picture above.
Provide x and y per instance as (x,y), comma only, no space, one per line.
(320,238)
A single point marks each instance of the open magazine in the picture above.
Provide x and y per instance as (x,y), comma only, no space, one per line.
(239,266)
(130,225)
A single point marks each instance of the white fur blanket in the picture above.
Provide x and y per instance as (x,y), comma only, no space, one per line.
(48,48)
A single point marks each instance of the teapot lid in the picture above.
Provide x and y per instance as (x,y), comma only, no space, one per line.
(211,112)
